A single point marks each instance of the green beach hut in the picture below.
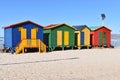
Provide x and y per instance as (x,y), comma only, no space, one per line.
(59,35)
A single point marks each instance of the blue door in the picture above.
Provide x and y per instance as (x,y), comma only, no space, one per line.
(82,38)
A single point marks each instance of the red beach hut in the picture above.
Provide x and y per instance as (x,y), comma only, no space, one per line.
(100,36)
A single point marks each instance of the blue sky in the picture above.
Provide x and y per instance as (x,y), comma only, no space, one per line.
(73,12)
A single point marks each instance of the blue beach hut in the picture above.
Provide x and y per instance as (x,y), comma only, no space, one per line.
(22,36)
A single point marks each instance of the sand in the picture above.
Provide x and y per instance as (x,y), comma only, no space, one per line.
(86,64)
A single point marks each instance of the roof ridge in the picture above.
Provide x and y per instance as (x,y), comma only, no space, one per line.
(21,23)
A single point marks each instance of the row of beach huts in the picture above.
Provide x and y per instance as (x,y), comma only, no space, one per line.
(29,36)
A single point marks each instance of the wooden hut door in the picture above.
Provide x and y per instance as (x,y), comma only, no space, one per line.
(59,38)
(34,36)
(66,38)
(100,38)
(82,38)
(34,33)
(76,39)
(46,38)
(105,40)
(23,33)
(91,39)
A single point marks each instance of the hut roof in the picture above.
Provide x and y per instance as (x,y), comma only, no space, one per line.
(57,25)
(93,28)
(13,25)
(80,27)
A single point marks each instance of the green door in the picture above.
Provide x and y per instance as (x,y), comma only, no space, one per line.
(100,37)
(105,39)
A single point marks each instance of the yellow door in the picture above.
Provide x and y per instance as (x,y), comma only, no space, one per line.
(66,38)
(34,36)
(59,38)
(23,33)
(34,33)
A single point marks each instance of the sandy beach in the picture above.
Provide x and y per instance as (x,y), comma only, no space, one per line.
(86,64)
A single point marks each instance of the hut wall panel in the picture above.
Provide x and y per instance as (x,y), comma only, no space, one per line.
(8,37)
(93,38)
(40,33)
(16,37)
(87,36)
(54,38)
(47,37)
(108,36)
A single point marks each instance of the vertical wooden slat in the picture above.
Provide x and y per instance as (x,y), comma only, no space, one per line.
(100,37)
(66,38)
(34,36)
(23,33)
(82,38)
(33,33)
(59,38)
(105,40)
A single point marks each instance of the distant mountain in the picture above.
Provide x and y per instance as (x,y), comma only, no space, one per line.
(115,36)
(115,39)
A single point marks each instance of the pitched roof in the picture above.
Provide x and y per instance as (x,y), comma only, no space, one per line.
(93,28)
(50,26)
(80,27)
(13,25)
(57,25)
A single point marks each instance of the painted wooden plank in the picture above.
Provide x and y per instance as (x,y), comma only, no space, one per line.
(87,37)
(66,38)
(59,38)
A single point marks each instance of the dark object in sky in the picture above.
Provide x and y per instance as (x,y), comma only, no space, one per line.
(103,16)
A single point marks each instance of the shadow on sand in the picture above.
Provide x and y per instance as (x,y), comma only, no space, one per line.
(40,61)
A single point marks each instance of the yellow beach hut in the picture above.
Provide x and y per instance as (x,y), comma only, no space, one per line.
(82,36)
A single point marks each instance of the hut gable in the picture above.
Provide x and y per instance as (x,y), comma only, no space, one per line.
(52,26)
(95,28)
(21,23)
(81,27)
